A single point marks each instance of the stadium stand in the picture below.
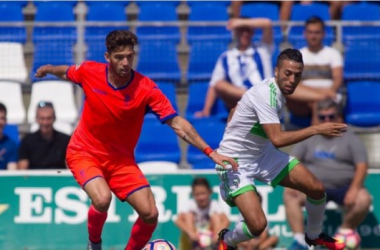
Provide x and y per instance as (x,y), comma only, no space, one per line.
(267,10)
(157,142)
(12,12)
(60,93)
(212,132)
(94,37)
(158,44)
(197,93)
(361,12)
(363,104)
(12,62)
(301,12)
(11,97)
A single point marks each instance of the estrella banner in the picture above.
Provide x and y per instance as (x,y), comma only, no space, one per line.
(47,210)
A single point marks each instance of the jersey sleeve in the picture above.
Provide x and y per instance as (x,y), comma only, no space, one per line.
(336,59)
(358,150)
(219,73)
(160,105)
(215,208)
(265,104)
(75,72)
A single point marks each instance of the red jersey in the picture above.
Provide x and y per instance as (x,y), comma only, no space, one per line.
(112,118)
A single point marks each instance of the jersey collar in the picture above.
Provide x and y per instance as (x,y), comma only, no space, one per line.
(125,85)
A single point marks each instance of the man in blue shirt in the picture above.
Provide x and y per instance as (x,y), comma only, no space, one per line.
(8,148)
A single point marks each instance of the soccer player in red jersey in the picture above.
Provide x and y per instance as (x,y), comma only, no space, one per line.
(103,144)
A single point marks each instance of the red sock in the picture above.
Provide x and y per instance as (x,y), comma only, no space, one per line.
(140,235)
(95,224)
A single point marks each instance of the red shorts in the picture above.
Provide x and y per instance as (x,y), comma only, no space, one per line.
(123,176)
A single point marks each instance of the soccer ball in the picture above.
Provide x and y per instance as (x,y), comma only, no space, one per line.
(159,244)
(350,238)
(205,238)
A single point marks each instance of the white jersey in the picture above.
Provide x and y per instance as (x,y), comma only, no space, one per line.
(318,66)
(244,138)
(202,215)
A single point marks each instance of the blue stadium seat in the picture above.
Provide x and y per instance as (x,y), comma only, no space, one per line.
(361,12)
(361,61)
(212,132)
(202,58)
(363,104)
(95,36)
(54,53)
(11,131)
(89,3)
(301,12)
(267,10)
(158,60)
(169,91)
(301,122)
(37,3)
(196,100)
(150,148)
(54,12)
(141,3)
(196,2)
(208,12)
(11,12)
(163,12)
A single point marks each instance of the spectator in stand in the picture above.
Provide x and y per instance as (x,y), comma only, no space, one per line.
(285,8)
(322,76)
(46,148)
(340,163)
(263,242)
(8,148)
(202,217)
(238,69)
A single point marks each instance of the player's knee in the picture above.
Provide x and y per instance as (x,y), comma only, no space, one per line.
(289,196)
(258,226)
(102,202)
(150,217)
(316,190)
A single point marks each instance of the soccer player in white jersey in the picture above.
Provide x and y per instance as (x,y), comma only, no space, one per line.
(252,137)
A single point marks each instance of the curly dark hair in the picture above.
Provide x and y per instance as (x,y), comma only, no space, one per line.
(120,38)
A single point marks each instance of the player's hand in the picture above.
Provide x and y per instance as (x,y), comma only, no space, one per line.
(349,199)
(43,71)
(223,160)
(200,114)
(332,129)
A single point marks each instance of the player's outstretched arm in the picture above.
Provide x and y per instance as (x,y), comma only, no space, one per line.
(58,71)
(187,132)
(281,138)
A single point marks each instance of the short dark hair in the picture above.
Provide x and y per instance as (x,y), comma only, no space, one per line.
(313,20)
(200,181)
(120,38)
(329,103)
(291,55)
(3,108)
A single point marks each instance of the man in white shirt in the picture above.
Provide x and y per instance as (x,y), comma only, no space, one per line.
(322,76)
(253,136)
(240,68)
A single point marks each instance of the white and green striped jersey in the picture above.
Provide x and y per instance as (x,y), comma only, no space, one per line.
(244,138)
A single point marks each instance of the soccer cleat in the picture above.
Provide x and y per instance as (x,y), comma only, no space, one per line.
(297,246)
(326,241)
(221,243)
(94,246)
